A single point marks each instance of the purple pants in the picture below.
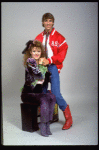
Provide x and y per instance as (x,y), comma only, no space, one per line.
(47,103)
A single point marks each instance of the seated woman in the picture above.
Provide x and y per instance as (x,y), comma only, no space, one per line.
(36,76)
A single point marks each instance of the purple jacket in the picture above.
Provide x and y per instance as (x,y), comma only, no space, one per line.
(32,73)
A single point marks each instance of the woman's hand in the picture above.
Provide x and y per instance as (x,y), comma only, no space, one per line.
(40,81)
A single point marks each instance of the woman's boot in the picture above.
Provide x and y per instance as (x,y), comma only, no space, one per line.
(48,128)
(42,127)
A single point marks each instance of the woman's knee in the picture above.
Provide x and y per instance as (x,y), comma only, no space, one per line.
(50,95)
(44,103)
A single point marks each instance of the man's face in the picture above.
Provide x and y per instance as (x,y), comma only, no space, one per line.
(48,24)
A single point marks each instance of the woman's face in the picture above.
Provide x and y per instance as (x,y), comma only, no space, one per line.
(36,53)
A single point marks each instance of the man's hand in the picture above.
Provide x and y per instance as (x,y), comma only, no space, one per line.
(43,61)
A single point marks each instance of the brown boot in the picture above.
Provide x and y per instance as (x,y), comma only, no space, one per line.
(68,117)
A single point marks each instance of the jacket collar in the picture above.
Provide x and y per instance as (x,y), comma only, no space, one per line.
(51,33)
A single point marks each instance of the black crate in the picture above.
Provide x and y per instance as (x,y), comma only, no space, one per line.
(30,114)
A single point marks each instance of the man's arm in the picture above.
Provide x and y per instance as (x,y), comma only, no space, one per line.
(62,51)
(59,58)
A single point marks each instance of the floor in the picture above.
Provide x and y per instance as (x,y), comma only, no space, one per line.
(84,131)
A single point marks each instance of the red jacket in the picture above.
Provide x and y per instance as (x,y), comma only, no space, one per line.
(57,47)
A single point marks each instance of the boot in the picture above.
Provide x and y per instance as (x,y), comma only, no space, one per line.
(48,128)
(68,117)
(42,127)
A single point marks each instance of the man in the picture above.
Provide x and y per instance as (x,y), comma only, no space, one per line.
(56,49)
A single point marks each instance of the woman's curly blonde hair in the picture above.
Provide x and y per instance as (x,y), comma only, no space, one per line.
(29,46)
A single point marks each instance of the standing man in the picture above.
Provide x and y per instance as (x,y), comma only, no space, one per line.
(55,49)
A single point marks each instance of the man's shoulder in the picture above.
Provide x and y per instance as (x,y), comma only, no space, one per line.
(59,35)
(40,34)
(39,37)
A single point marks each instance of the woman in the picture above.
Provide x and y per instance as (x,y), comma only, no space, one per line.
(36,76)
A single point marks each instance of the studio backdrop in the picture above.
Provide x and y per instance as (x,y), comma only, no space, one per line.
(76,21)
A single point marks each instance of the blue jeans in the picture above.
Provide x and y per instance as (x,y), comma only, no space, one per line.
(55,87)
